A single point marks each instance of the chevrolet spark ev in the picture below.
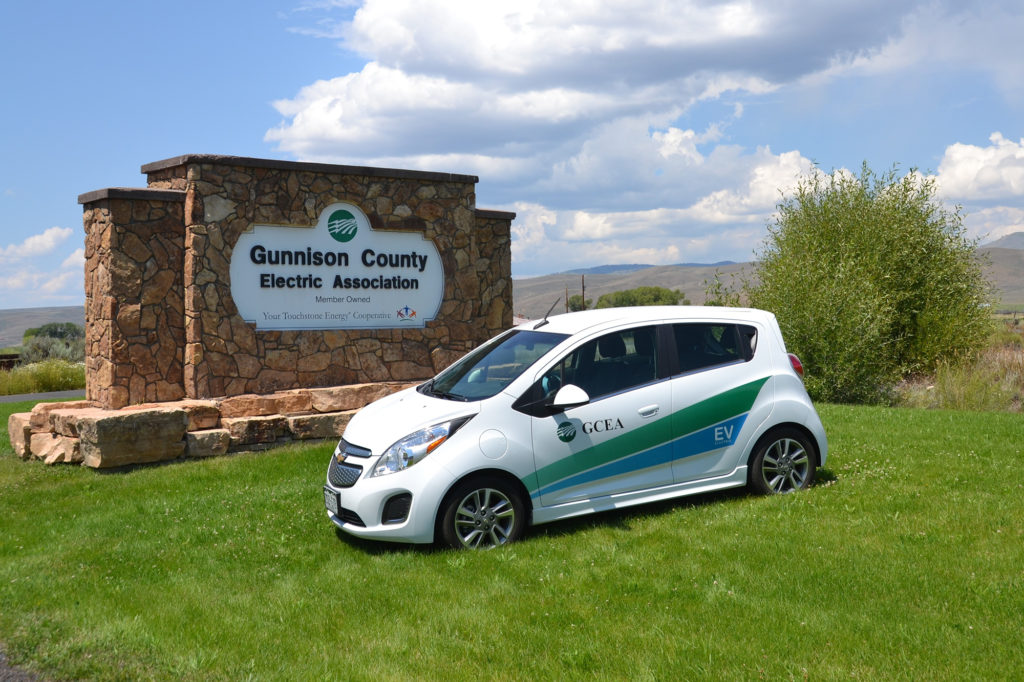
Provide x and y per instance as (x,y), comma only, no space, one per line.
(575,414)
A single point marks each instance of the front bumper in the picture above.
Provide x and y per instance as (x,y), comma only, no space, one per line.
(368,507)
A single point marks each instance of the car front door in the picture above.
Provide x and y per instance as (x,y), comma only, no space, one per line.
(619,441)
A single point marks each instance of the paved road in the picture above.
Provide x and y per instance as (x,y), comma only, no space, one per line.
(42,397)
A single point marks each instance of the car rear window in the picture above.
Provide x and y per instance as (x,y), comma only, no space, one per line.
(700,345)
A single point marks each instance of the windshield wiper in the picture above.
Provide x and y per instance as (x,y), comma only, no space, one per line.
(451,396)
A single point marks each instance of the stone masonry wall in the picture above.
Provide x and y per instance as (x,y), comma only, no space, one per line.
(135,332)
(157,279)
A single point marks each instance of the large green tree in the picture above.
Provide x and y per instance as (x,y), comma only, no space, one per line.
(872,279)
(576,303)
(642,296)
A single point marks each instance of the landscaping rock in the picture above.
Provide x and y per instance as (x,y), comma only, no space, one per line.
(341,398)
(132,437)
(54,449)
(41,412)
(19,429)
(202,414)
(329,425)
(254,430)
(249,405)
(208,443)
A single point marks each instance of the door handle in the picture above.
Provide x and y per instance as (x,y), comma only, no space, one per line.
(648,411)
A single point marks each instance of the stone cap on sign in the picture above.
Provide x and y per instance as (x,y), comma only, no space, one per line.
(302,166)
(140,194)
(490,214)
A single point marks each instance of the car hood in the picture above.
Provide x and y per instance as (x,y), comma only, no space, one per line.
(383,422)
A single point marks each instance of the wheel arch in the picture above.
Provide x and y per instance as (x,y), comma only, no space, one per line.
(815,445)
(502,474)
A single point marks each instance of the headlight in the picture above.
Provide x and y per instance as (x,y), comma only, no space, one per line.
(415,447)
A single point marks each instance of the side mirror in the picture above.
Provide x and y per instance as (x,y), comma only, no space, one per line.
(570,396)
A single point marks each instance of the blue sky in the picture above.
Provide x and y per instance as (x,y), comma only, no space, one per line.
(638,131)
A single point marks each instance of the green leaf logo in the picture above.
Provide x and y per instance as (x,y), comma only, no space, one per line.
(342,226)
(566,432)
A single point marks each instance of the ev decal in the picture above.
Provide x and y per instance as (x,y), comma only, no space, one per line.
(723,434)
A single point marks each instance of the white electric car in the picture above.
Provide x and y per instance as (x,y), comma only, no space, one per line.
(575,414)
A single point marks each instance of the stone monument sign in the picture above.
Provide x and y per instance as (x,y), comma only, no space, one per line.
(228,276)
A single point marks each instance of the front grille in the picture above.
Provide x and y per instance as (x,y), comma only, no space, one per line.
(354,450)
(343,475)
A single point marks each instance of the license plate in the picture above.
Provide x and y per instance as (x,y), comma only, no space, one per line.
(331,500)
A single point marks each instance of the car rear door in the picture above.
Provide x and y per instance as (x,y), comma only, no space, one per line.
(721,392)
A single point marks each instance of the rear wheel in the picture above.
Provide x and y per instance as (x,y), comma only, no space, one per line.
(783,462)
(482,513)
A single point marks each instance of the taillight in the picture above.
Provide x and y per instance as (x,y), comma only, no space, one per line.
(798,366)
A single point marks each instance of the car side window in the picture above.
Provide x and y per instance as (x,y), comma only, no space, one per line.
(701,345)
(608,364)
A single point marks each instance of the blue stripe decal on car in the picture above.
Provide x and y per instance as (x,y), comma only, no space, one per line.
(714,437)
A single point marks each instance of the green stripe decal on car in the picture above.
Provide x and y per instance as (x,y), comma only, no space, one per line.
(700,416)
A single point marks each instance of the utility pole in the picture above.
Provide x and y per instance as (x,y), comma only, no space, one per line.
(583,286)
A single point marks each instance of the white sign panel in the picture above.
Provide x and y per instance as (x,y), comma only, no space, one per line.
(339,274)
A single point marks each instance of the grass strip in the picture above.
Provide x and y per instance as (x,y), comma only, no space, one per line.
(906,560)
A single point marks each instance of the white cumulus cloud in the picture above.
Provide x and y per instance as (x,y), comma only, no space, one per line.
(36,245)
(992,172)
(579,115)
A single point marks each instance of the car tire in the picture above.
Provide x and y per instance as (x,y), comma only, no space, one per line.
(783,462)
(482,513)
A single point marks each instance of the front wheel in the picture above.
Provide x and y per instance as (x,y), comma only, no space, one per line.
(482,513)
(783,462)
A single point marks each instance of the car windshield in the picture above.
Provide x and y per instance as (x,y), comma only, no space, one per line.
(490,368)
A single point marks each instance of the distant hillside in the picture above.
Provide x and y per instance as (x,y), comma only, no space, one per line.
(1006,271)
(14,322)
(632,267)
(606,269)
(534,295)
(1010,241)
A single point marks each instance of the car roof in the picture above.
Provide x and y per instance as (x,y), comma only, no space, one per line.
(574,323)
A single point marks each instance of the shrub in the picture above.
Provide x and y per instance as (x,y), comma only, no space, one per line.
(642,296)
(43,377)
(871,280)
(39,348)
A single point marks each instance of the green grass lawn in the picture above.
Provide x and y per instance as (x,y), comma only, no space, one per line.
(905,561)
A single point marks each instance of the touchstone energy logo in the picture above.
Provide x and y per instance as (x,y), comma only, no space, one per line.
(566,432)
(405,313)
(342,225)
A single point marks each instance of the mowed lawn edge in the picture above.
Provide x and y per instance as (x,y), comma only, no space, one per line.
(906,560)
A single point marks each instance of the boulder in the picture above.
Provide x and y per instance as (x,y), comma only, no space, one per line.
(132,436)
(54,449)
(254,430)
(352,397)
(293,402)
(248,405)
(19,430)
(207,443)
(328,425)
(41,412)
